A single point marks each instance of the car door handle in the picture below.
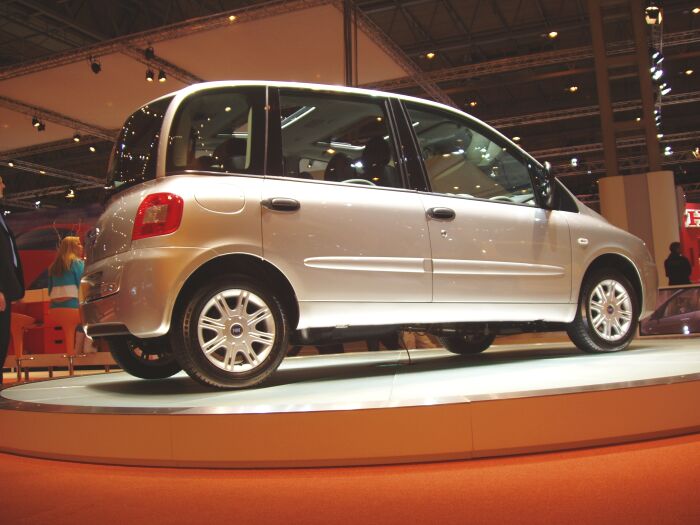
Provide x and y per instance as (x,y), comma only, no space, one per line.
(281,204)
(441,213)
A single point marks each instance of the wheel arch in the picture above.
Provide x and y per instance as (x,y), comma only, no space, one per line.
(241,264)
(625,266)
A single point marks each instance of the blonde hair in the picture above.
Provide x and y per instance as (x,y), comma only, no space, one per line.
(68,251)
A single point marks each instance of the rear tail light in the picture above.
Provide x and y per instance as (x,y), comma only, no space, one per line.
(158,214)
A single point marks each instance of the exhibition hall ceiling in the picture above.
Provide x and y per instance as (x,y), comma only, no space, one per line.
(525,66)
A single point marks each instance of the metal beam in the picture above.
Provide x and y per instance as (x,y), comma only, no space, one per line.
(57,145)
(519,63)
(31,167)
(57,118)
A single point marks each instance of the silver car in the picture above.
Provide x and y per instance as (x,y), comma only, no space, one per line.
(247,216)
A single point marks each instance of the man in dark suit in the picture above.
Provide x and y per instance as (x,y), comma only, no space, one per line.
(11,281)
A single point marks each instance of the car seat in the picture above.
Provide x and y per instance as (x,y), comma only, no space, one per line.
(375,159)
(339,168)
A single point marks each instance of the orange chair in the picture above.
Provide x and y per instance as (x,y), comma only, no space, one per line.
(66,319)
(18,326)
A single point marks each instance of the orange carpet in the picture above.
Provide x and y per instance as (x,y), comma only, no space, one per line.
(654,482)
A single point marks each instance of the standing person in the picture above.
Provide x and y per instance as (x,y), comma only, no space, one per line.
(11,281)
(677,266)
(64,280)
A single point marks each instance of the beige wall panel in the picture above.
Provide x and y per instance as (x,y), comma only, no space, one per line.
(613,203)
(664,214)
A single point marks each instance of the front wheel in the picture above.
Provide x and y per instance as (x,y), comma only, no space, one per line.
(467,343)
(233,333)
(607,315)
(144,358)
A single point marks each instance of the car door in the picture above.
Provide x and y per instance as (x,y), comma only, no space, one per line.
(491,241)
(336,219)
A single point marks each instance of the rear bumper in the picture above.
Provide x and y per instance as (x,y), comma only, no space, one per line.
(148,283)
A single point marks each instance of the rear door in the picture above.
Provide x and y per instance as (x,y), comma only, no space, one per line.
(336,218)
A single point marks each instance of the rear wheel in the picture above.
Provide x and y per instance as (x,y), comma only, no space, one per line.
(233,334)
(467,343)
(144,358)
(607,315)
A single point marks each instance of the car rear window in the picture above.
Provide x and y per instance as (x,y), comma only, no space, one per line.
(135,153)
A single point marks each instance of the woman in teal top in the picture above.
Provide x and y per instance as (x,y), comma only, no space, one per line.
(65,273)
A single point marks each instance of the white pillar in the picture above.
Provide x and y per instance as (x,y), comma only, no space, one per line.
(646,206)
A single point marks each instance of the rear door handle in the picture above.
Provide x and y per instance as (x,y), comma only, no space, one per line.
(444,214)
(281,204)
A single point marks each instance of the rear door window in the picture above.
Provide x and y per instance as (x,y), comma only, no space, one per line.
(219,130)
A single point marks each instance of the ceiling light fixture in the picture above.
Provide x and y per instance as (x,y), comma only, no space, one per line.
(516,139)
(92,149)
(35,122)
(572,89)
(11,164)
(149,53)
(149,75)
(552,35)
(161,76)
(70,194)
(689,72)
(76,137)
(95,65)
(652,13)
(696,152)
(473,103)
(41,126)
(232,18)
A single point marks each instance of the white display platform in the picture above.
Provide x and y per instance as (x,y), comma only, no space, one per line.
(366,408)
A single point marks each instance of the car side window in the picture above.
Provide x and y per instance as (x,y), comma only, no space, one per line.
(337,138)
(462,162)
(219,130)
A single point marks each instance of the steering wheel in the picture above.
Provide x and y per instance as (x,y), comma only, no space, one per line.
(503,198)
(364,182)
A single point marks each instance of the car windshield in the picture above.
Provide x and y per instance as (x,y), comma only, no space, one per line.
(135,153)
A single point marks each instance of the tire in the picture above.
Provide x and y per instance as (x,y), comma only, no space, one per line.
(607,315)
(466,344)
(232,333)
(144,358)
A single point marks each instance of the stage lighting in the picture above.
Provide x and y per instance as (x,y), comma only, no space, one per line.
(430,55)
(149,75)
(95,65)
(572,89)
(652,13)
(70,194)
(574,162)
(552,35)
(35,122)
(11,164)
(665,89)
(41,127)
(92,149)
(76,137)
(149,53)
(696,152)
(161,76)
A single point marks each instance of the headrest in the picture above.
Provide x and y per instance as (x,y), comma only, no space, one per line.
(376,153)
(339,168)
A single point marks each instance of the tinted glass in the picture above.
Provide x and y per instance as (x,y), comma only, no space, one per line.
(135,153)
(219,130)
(42,239)
(463,162)
(337,138)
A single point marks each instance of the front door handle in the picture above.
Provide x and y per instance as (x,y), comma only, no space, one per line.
(281,204)
(444,214)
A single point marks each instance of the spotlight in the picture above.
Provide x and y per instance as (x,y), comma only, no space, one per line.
(149,75)
(161,76)
(76,137)
(95,65)
(11,164)
(653,14)
(430,55)
(696,152)
(668,151)
(70,194)
(232,18)
(41,127)
(516,139)
(572,89)
(92,149)
(149,53)
(37,204)
(552,35)
(473,103)
(35,122)
(657,74)
(665,89)
(696,10)
(574,162)
(689,72)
